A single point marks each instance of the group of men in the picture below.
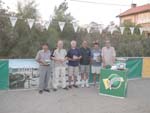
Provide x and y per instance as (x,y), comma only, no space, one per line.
(77,61)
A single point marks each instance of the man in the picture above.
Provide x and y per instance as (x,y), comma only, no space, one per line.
(74,57)
(85,63)
(108,54)
(43,58)
(59,57)
(96,61)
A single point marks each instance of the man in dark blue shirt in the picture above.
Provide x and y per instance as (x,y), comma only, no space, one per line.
(74,57)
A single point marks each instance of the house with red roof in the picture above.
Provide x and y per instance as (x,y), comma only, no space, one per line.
(140,15)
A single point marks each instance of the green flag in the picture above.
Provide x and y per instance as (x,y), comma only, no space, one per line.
(134,66)
(4,74)
(113,82)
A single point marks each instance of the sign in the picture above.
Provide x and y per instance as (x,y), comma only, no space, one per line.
(141,30)
(132,30)
(113,83)
(122,30)
(75,26)
(61,25)
(30,22)
(13,20)
(23,74)
(88,29)
(146,67)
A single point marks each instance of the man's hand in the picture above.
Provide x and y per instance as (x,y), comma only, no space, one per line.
(44,63)
(62,60)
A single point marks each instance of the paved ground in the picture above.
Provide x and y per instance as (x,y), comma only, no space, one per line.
(80,100)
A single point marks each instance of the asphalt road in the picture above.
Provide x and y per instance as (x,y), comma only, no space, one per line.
(81,100)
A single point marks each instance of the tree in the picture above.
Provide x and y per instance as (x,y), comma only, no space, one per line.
(60,14)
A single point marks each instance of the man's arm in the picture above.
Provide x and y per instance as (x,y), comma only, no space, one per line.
(80,54)
(103,59)
(114,55)
(68,56)
(90,56)
(38,59)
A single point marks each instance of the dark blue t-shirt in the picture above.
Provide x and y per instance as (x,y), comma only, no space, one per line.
(70,54)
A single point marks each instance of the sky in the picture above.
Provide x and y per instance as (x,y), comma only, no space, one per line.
(84,12)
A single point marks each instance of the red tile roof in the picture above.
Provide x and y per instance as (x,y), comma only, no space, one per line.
(136,10)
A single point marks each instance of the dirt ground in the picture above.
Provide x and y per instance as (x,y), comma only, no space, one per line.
(81,100)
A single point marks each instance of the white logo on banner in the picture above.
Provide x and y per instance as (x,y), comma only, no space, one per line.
(132,30)
(122,29)
(30,22)
(61,25)
(13,20)
(141,30)
(75,26)
(47,24)
(88,29)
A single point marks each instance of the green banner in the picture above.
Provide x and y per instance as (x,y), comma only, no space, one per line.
(134,66)
(4,74)
(113,83)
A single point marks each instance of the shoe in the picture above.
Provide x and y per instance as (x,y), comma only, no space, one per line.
(40,91)
(54,89)
(82,84)
(75,86)
(46,90)
(66,88)
(70,86)
(87,85)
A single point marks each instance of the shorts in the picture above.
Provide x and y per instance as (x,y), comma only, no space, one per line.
(85,69)
(95,69)
(73,70)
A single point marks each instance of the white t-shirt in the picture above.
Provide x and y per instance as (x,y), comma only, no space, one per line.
(108,54)
(60,54)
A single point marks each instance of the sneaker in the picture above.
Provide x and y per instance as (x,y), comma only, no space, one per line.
(75,86)
(54,89)
(40,91)
(87,85)
(70,86)
(82,85)
(66,88)
(46,90)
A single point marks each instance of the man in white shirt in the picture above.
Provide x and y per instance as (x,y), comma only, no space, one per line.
(108,54)
(59,57)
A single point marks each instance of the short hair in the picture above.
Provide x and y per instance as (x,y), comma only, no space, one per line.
(60,41)
(73,41)
(95,43)
(45,44)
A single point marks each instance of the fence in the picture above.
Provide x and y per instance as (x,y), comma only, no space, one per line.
(23,73)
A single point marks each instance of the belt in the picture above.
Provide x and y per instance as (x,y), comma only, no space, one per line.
(45,65)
